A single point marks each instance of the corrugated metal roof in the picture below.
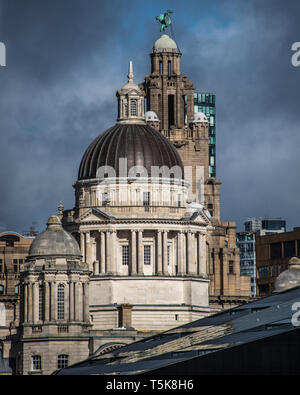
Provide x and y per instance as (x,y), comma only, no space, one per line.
(251,322)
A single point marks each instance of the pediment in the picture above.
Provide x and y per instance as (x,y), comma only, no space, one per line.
(94,215)
(133,92)
(201,215)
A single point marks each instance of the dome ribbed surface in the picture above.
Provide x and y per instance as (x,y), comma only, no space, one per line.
(142,145)
(54,241)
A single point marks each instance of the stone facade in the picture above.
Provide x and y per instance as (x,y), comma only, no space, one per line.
(171,96)
(139,253)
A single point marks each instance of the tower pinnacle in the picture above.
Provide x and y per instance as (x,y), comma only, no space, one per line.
(130,72)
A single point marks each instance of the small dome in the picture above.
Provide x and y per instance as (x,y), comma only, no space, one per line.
(289,278)
(164,43)
(151,116)
(54,241)
(200,117)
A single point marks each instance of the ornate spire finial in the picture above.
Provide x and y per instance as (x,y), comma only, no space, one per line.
(60,210)
(130,72)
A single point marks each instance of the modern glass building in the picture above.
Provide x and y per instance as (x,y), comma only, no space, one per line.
(205,102)
(265,226)
(246,243)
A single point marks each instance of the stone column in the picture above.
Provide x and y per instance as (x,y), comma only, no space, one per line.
(114,251)
(201,255)
(225,273)
(165,253)
(76,301)
(35,300)
(29,302)
(180,253)
(88,248)
(47,302)
(25,302)
(189,252)
(102,253)
(140,253)
(108,253)
(133,268)
(82,246)
(53,298)
(67,302)
(159,253)
(86,312)
(96,267)
(71,294)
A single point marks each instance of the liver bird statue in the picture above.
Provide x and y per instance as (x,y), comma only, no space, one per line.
(165,20)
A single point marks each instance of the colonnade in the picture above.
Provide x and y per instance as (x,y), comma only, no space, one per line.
(189,255)
(43,307)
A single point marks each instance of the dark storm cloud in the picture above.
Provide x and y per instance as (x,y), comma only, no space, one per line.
(247,63)
(66,59)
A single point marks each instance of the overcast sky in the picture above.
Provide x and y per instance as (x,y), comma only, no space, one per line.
(67,58)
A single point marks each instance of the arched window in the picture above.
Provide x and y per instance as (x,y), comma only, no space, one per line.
(61,302)
(62,361)
(133,107)
(41,303)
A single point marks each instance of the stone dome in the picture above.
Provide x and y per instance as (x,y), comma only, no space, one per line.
(164,43)
(289,278)
(200,117)
(141,144)
(54,241)
(151,116)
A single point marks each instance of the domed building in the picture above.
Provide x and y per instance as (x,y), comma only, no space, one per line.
(54,322)
(145,247)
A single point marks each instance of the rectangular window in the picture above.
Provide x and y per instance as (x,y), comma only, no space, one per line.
(41,302)
(16,266)
(276,251)
(230,267)
(160,67)
(61,302)
(1,266)
(264,272)
(125,255)
(147,255)
(36,363)
(133,108)
(146,198)
(62,361)
(289,249)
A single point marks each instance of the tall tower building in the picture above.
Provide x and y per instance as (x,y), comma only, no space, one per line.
(172,97)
